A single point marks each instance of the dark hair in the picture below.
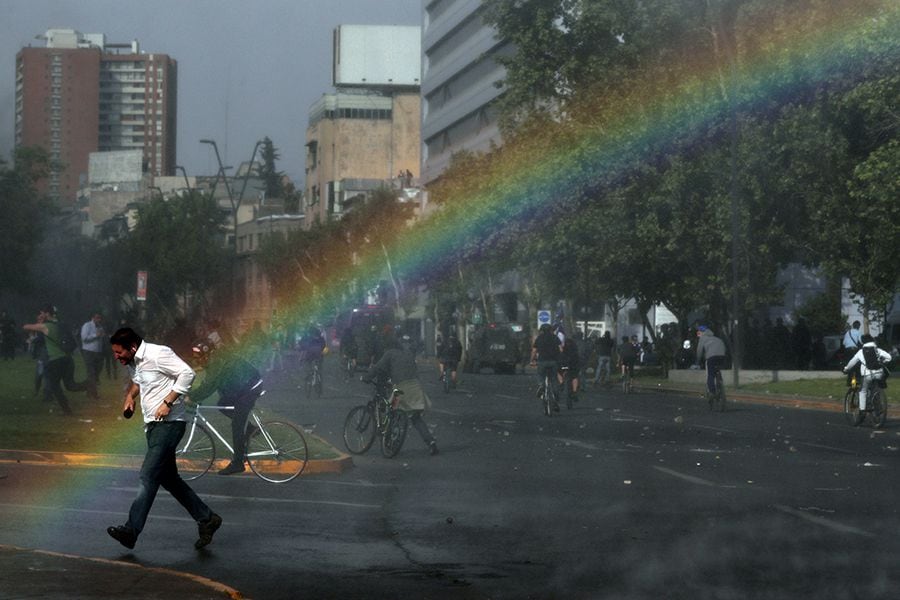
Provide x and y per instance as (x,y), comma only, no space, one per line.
(866,338)
(49,309)
(126,337)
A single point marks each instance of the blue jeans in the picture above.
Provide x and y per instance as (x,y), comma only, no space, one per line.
(159,469)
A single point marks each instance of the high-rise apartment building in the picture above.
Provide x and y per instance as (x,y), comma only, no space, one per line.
(80,94)
(365,135)
(459,76)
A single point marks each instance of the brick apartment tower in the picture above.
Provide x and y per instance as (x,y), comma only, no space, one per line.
(80,94)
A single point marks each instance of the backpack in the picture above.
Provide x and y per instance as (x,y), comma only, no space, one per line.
(870,357)
(66,342)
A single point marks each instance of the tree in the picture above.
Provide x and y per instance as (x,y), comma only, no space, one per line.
(272,177)
(180,243)
(23,210)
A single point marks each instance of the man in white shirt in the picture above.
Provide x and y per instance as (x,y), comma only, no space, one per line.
(853,337)
(871,360)
(161,379)
(93,343)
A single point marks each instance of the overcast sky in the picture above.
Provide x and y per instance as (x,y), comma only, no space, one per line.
(246,68)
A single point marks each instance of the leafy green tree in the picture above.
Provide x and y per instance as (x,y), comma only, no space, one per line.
(180,243)
(271,176)
(23,209)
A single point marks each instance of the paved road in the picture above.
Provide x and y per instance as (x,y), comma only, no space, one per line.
(645,496)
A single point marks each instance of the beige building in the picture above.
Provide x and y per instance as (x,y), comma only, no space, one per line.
(357,142)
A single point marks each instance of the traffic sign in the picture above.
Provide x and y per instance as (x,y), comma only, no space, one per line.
(543,318)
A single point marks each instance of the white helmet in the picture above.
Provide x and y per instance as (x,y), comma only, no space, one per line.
(686,345)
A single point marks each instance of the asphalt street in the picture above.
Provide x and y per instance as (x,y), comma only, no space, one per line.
(644,496)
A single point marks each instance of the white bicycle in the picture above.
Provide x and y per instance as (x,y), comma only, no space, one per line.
(276,450)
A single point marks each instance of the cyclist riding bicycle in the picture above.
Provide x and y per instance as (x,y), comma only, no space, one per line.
(312,348)
(239,385)
(712,349)
(545,352)
(449,355)
(871,360)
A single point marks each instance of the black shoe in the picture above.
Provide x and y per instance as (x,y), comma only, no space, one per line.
(206,530)
(122,534)
(232,468)
(432,448)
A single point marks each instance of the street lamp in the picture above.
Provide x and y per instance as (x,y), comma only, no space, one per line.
(221,172)
(247,174)
(186,181)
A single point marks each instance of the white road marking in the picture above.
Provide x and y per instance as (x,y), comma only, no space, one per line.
(832,448)
(691,478)
(577,444)
(270,500)
(834,525)
(507,397)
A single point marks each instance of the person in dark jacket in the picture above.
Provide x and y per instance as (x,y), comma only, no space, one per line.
(238,384)
(399,364)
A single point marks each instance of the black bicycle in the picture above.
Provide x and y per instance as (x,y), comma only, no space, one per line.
(380,416)
(313,382)
(716,398)
(876,405)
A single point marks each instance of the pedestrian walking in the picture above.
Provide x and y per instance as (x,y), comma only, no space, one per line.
(59,369)
(161,379)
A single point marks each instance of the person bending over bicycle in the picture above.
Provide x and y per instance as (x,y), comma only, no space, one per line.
(239,385)
(399,363)
(450,355)
(871,360)
(545,353)
(312,348)
(712,349)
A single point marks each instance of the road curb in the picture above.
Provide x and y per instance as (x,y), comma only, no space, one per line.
(134,461)
(106,565)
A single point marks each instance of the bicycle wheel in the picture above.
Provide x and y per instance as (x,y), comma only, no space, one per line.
(879,409)
(317,384)
(851,406)
(196,452)
(446,381)
(547,397)
(277,452)
(359,429)
(720,392)
(394,433)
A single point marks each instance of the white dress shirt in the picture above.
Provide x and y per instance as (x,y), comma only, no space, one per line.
(91,339)
(157,370)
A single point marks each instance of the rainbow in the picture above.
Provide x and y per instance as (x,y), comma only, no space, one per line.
(641,121)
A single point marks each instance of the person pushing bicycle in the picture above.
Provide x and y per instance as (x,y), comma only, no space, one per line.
(871,360)
(399,363)
(239,385)
(712,349)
